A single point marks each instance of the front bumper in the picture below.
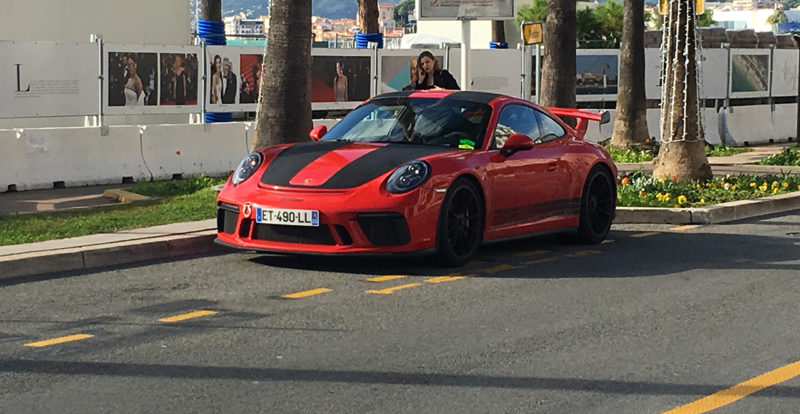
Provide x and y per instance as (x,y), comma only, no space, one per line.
(351,222)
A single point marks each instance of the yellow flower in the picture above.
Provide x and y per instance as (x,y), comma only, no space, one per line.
(661,181)
(753,185)
(681,199)
(774,184)
(763,188)
(699,187)
(727,176)
(775,190)
(659,196)
(666,197)
(702,201)
(785,185)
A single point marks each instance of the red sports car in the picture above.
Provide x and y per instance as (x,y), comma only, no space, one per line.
(423,172)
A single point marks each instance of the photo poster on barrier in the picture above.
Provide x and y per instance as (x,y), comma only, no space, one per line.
(395,68)
(233,77)
(749,73)
(784,72)
(341,79)
(151,79)
(43,79)
(597,74)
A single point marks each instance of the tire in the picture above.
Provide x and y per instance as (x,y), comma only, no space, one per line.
(598,205)
(460,226)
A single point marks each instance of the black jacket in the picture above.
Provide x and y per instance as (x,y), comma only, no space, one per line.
(441,78)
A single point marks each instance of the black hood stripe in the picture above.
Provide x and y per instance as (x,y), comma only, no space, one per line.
(378,162)
(290,161)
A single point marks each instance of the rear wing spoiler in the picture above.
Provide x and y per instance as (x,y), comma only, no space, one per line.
(583,116)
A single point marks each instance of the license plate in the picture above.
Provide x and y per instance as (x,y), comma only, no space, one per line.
(287,217)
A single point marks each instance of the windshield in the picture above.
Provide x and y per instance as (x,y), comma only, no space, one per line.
(425,121)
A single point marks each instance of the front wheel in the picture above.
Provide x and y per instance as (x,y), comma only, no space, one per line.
(598,203)
(460,227)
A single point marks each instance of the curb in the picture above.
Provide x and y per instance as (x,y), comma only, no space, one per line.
(110,254)
(719,213)
(201,241)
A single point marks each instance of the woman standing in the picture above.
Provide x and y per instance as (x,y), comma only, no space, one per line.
(340,84)
(432,76)
(133,86)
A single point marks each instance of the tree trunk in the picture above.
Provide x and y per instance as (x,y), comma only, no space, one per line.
(558,71)
(630,124)
(682,153)
(284,107)
(368,16)
(211,10)
(498,31)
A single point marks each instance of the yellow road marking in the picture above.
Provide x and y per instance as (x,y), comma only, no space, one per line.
(682,228)
(582,253)
(306,293)
(389,291)
(384,278)
(740,390)
(532,253)
(546,259)
(185,316)
(442,279)
(648,234)
(60,340)
(499,268)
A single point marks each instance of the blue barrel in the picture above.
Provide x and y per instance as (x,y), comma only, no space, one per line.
(363,39)
(498,45)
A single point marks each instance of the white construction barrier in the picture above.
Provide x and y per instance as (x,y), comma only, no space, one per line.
(749,125)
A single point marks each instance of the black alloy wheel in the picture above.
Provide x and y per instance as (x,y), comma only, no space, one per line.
(460,228)
(598,204)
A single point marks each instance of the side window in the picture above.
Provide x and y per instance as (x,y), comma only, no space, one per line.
(515,118)
(550,128)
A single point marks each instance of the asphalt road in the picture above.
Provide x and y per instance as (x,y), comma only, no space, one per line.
(652,320)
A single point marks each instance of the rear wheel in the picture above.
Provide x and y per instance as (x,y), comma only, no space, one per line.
(460,227)
(598,203)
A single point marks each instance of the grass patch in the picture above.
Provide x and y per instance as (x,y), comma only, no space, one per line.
(789,156)
(639,189)
(644,154)
(190,199)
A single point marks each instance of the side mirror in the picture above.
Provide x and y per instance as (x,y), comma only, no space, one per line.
(318,132)
(516,142)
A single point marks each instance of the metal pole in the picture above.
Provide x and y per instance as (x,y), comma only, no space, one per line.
(203,80)
(537,73)
(797,99)
(524,94)
(465,53)
(100,77)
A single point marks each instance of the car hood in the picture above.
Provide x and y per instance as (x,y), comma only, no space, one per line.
(340,164)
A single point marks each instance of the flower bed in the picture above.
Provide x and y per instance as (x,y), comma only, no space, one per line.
(638,189)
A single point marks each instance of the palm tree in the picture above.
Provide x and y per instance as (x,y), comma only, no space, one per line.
(284,107)
(558,71)
(630,124)
(682,152)
(368,16)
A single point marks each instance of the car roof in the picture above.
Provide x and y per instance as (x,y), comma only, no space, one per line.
(469,96)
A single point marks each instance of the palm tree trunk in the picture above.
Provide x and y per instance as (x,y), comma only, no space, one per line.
(284,107)
(211,10)
(682,153)
(558,71)
(368,16)
(630,124)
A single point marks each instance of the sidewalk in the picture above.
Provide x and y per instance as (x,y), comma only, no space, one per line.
(181,239)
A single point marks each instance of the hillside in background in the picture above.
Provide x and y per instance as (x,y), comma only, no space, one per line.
(334,9)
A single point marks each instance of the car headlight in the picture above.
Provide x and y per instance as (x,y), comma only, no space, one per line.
(247,167)
(408,177)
